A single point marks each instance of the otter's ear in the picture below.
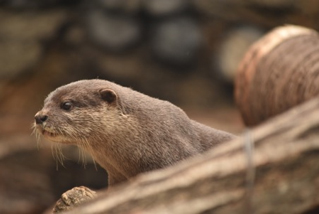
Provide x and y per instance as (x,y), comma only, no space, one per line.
(108,95)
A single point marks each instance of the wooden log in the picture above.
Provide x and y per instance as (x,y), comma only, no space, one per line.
(272,168)
(278,72)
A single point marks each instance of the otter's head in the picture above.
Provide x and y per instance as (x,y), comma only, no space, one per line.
(79,112)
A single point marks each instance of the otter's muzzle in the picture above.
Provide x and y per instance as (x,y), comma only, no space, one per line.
(40,118)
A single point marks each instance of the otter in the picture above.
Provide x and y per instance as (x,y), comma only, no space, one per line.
(125,131)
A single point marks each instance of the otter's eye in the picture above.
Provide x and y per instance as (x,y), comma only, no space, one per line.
(66,105)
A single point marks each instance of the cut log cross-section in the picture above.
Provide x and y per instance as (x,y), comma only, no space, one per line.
(273,168)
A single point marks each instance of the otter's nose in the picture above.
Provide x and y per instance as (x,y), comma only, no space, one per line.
(40,118)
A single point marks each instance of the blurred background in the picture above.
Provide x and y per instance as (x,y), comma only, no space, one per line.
(184,51)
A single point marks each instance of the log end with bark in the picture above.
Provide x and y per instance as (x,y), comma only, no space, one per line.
(278,72)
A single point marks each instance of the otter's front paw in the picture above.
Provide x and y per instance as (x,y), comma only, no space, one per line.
(73,197)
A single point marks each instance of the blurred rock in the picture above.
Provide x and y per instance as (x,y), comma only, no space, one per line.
(261,13)
(123,68)
(120,5)
(21,36)
(28,4)
(74,35)
(177,40)
(273,4)
(309,7)
(233,48)
(37,4)
(112,32)
(24,185)
(165,7)
(18,56)
(221,8)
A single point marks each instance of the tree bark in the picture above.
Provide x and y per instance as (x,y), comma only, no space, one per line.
(273,168)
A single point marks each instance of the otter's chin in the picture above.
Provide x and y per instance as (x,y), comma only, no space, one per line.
(49,134)
(54,137)
(58,139)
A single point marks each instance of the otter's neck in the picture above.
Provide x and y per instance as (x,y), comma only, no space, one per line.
(116,150)
(210,137)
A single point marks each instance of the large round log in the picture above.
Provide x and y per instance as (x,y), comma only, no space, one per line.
(279,71)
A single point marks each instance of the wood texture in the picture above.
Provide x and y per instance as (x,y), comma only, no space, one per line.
(272,168)
(278,72)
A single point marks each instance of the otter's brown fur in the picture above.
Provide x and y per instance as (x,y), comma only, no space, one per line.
(125,131)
